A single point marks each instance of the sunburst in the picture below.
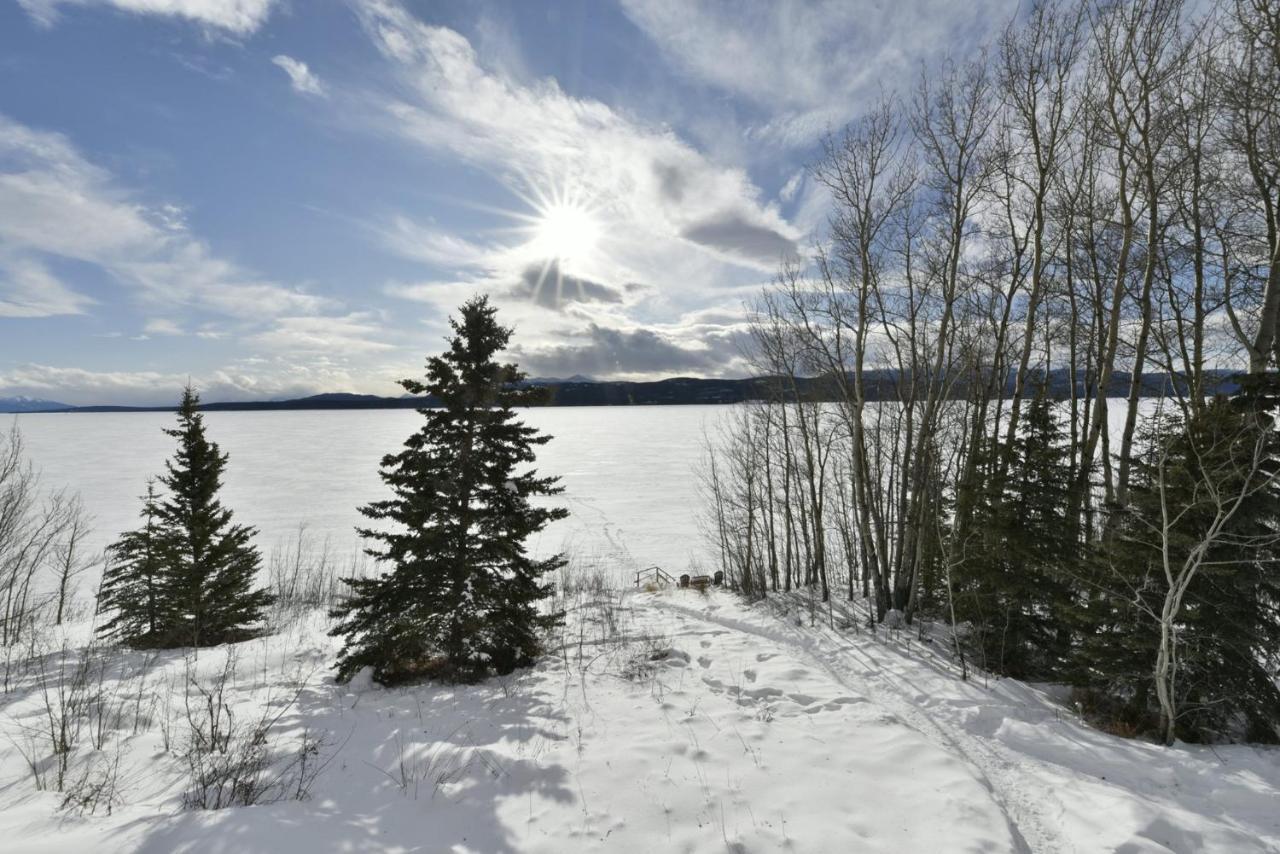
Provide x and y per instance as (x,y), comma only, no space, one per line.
(563,232)
(566,232)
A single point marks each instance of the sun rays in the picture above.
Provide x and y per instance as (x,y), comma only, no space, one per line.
(566,232)
(562,233)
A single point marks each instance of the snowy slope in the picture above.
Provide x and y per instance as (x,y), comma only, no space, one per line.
(664,721)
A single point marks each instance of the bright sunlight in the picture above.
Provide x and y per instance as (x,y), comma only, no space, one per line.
(565,231)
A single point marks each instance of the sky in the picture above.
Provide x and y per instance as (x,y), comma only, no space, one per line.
(274,198)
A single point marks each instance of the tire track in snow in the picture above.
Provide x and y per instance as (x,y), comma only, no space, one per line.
(1017,793)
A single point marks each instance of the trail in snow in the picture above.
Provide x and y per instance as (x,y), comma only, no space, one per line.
(1063,786)
(1029,820)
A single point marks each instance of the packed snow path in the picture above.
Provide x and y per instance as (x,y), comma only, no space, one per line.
(671,721)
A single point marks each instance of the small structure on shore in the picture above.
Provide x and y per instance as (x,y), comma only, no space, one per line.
(656,576)
(702,582)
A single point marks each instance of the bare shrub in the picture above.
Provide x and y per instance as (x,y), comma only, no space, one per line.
(234,762)
(41,547)
(305,575)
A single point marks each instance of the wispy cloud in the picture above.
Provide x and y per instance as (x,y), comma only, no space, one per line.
(28,289)
(54,202)
(355,333)
(161,326)
(239,17)
(301,78)
(670,215)
(430,245)
(812,65)
(653,186)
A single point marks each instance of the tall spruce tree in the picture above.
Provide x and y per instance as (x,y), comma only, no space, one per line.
(461,598)
(1228,624)
(206,566)
(1014,583)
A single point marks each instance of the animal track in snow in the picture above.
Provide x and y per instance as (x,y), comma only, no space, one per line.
(768,697)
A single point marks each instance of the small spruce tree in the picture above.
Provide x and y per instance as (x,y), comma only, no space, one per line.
(132,582)
(206,564)
(461,599)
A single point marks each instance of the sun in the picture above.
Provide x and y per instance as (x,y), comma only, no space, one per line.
(564,231)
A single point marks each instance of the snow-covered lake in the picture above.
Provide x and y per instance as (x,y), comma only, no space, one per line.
(628,472)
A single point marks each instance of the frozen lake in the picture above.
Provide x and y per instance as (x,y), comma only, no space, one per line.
(628,472)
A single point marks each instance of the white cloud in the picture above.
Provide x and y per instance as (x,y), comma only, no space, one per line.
(432,246)
(54,202)
(676,227)
(301,77)
(352,334)
(657,192)
(161,326)
(239,17)
(631,353)
(28,289)
(247,379)
(812,65)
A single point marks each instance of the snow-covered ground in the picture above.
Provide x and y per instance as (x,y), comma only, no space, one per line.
(627,473)
(663,721)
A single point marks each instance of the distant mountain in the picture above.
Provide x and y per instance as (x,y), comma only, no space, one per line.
(31,404)
(579,391)
(576,378)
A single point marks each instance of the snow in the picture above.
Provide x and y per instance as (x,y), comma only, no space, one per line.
(627,472)
(669,721)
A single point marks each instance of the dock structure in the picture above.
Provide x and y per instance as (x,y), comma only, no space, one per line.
(653,575)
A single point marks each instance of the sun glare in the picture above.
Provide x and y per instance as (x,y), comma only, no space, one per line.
(565,231)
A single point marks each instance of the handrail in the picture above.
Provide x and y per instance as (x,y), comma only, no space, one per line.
(656,573)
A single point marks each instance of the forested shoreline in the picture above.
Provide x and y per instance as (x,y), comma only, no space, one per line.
(1096,192)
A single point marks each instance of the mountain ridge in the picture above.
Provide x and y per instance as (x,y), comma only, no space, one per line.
(672,391)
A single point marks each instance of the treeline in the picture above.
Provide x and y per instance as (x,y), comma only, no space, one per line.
(1096,194)
(675,391)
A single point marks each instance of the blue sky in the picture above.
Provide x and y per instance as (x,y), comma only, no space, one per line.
(278,197)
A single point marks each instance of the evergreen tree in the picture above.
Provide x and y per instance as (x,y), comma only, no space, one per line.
(1228,623)
(1013,583)
(132,581)
(206,563)
(461,598)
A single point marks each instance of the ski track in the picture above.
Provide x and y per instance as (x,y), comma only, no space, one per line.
(1030,811)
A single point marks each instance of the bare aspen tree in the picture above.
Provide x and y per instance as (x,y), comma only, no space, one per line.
(1248,91)
(70,560)
(1036,66)
(41,537)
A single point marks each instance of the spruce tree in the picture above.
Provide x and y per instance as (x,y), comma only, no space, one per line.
(132,582)
(1014,581)
(461,597)
(1228,625)
(206,564)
